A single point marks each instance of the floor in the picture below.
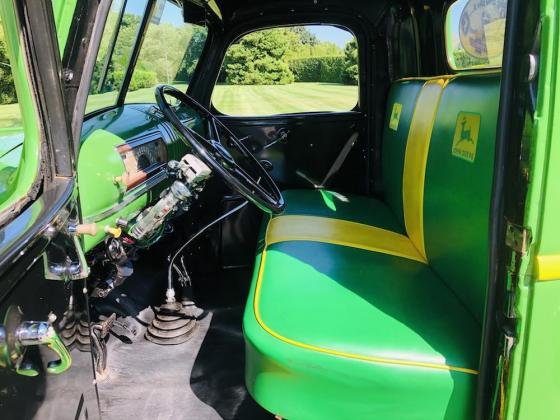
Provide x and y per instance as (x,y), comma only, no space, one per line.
(200,379)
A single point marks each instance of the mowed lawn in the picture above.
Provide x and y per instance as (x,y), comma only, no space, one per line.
(237,100)
(280,99)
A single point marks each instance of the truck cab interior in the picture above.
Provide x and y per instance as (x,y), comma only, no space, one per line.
(285,208)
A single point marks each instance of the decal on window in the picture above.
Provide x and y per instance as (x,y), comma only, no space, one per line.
(395,116)
(466,136)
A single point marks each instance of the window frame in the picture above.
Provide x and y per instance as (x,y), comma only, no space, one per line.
(240,34)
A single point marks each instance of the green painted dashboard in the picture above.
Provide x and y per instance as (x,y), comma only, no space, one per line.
(121,164)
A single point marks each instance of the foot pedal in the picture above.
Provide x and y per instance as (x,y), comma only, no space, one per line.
(174,323)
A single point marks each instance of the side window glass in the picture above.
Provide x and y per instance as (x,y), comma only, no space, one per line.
(289,70)
(170,62)
(119,37)
(11,127)
(474,34)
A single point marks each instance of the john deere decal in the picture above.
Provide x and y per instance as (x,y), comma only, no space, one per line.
(395,116)
(466,136)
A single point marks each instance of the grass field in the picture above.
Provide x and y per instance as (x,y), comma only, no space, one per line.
(281,99)
(237,100)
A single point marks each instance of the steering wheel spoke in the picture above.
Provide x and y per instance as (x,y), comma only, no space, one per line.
(259,188)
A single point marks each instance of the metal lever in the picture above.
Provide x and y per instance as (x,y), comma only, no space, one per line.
(280,137)
(16,335)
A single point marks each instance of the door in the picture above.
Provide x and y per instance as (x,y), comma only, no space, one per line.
(46,366)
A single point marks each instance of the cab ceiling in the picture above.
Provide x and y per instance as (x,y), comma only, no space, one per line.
(236,10)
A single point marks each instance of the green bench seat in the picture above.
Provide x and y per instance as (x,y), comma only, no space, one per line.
(361,308)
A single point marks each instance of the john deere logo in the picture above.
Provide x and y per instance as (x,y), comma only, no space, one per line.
(466,136)
(395,116)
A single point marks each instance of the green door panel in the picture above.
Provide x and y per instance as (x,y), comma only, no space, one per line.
(63,11)
(367,306)
(457,191)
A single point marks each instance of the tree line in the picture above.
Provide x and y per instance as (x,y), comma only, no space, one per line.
(7,87)
(170,54)
(286,55)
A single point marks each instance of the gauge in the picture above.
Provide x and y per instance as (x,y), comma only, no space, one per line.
(142,160)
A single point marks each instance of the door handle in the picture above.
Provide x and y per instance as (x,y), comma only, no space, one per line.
(16,335)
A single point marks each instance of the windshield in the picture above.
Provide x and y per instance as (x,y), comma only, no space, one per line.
(169,53)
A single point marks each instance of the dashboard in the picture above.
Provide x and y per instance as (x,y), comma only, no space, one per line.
(122,160)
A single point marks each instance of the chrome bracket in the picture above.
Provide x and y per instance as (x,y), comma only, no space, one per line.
(518,238)
(64,258)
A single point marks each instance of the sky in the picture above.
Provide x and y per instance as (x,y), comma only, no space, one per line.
(331,34)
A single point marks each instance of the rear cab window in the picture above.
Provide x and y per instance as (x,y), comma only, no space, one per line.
(293,69)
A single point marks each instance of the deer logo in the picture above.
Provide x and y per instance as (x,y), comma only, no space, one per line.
(465,134)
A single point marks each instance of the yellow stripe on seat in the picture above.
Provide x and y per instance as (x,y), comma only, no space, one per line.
(415,159)
(340,232)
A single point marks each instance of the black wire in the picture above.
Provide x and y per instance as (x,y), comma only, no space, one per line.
(196,235)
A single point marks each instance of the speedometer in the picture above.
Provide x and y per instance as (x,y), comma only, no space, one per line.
(142,159)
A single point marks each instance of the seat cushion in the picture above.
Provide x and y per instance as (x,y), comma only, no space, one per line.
(349,207)
(339,332)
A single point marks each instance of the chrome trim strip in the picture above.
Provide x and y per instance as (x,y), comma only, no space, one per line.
(129,197)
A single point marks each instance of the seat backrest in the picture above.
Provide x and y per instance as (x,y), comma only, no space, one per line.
(401,103)
(458,185)
(438,159)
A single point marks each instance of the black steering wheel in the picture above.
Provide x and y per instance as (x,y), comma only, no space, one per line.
(250,180)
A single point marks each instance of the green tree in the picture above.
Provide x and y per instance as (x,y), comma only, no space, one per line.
(304,35)
(463,60)
(192,54)
(351,75)
(7,87)
(259,59)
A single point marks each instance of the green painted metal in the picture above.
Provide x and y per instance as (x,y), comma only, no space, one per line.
(534,386)
(63,11)
(99,163)
(98,166)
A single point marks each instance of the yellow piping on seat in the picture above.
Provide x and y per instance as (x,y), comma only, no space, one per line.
(415,160)
(340,232)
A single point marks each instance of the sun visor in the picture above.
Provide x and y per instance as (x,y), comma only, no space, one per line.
(200,11)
